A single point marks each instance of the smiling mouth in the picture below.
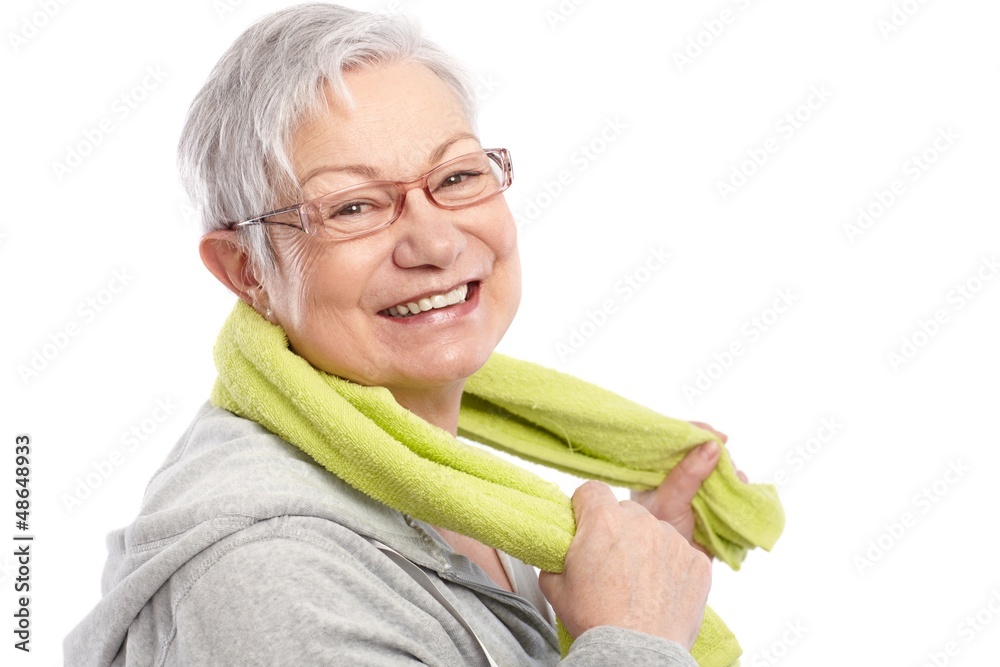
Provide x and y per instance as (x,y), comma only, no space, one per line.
(433,302)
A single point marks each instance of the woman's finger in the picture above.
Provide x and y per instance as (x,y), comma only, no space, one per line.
(725,439)
(671,501)
(703,425)
(682,483)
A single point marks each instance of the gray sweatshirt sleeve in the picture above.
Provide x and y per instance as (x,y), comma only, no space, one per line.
(606,645)
(281,600)
(286,594)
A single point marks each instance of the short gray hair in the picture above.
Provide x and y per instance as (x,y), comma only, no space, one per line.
(233,154)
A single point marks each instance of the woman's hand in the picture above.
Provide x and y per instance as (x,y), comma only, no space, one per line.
(626,569)
(671,501)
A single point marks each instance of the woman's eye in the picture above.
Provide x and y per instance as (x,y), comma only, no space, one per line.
(350,209)
(458,178)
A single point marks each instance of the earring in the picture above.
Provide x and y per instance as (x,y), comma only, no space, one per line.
(255,294)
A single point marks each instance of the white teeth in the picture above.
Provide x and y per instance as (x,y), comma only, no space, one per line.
(457,295)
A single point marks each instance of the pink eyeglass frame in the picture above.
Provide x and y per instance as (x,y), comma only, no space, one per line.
(311,208)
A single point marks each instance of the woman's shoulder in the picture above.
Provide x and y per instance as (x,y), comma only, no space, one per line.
(228,492)
(221,453)
(227,468)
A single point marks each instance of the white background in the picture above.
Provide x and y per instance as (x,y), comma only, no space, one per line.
(551,87)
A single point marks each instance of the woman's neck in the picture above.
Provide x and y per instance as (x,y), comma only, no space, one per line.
(439,406)
(435,405)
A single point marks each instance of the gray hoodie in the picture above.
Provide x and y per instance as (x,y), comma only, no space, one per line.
(246,552)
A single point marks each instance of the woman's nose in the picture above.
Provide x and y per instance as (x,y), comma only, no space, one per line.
(426,235)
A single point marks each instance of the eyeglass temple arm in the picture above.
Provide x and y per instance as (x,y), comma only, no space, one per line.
(262,219)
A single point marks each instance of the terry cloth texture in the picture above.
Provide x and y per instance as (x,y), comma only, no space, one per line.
(364,437)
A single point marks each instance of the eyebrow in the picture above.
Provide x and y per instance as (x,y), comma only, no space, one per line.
(372,174)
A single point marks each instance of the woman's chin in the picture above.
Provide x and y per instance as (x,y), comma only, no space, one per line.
(445,366)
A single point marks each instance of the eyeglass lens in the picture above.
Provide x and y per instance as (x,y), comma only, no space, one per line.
(457,184)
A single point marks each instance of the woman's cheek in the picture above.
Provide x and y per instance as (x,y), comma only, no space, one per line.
(303,287)
(502,239)
(508,265)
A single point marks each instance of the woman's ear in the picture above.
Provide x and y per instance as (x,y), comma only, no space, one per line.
(228,262)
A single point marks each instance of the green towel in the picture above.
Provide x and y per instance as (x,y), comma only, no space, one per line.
(363,436)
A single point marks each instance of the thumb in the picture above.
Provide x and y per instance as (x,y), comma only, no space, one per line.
(674,495)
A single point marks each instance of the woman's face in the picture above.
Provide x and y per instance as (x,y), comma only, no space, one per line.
(332,297)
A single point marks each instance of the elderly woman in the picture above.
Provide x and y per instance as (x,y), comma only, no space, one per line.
(351,203)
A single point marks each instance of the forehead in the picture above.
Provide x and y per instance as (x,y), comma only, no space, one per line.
(400,115)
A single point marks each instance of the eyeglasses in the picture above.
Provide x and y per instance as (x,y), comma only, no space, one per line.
(369,207)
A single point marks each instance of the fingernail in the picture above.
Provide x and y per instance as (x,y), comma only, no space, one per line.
(710,449)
